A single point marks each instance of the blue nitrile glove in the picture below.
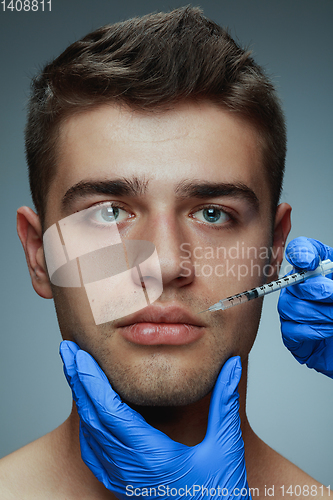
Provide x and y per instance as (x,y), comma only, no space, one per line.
(124,451)
(306,309)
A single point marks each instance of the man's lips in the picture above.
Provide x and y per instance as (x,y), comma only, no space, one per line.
(161,333)
(156,325)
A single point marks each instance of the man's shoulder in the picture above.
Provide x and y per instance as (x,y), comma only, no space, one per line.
(277,477)
(50,468)
(25,472)
(38,471)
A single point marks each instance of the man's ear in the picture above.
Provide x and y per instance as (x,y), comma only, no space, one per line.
(282,227)
(29,230)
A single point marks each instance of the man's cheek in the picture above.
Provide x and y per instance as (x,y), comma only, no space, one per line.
(232,275)
(73,311)
(247,326)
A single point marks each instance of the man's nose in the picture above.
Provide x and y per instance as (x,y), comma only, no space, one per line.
(168,237)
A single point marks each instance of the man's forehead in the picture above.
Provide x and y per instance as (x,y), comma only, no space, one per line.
(119,123)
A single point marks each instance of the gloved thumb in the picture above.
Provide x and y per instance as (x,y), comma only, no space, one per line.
(224,403)
(68,351)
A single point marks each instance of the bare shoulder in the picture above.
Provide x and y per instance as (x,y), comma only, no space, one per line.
(29,472)
(50,468)
(275,476)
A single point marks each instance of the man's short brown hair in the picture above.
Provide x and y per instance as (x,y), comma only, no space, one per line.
(151,63)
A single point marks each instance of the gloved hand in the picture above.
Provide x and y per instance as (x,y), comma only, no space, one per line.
(306,309)
(123,450)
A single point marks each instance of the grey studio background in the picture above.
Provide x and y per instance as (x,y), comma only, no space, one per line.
(289,406)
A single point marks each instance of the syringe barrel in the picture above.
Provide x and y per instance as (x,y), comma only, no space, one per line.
(325,267)
(239,298)
(261,291)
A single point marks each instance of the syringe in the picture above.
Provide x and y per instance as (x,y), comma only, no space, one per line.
(325,267)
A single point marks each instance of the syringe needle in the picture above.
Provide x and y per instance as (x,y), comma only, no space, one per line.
(214,307)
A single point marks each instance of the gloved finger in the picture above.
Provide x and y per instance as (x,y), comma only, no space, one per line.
(300,332)
(301,347)
(224,429)
(321,359)
(90,459)
(302,311)
(118,464)
(120,420)
(223,410)
(318,289)
(306,253)
(158,466)
(85,408)
(68,351)
(316,354)
(107,444)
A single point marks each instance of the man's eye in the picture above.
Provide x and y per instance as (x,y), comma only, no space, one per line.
(108,214)
(213,215)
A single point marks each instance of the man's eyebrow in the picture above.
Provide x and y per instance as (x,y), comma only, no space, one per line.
(190,189)
(117,187)
(138,187)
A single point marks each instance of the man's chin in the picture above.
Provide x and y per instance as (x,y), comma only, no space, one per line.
(164,400)
(167,395)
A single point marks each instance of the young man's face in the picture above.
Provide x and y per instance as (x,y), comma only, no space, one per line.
(202,235)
